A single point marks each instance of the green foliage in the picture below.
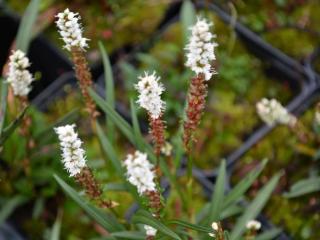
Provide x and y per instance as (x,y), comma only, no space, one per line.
(303,187)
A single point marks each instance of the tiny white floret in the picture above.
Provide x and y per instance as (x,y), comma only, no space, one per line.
(73,156)
(18,76)
(150,231)
(253,225)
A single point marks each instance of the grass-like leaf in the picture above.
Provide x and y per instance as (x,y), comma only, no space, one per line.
(237,192)
(218,194)
(56,229)
(145,217)
(198,228)
(10,206)
(107,221)
(269,234)
(303,187)
(254,207)
(109,87)
(3,103)
(129,235)
(136,126)
(187,17)
(12,126)
(24,35)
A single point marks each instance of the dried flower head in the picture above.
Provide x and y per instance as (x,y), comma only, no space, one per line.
(253,225)
(70,30)
(72,154)
(150,231)
(18,76)
(200,49)
(150,90)
(271,112)
(140,173)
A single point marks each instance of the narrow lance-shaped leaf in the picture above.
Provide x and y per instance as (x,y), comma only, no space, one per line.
(253,209)
(109,87)
(303,187)
(3,103)
(269,234)
(188,17)
(218,194)
(10,206)
(24,35)
(107,221)
(136,127)
(55,232)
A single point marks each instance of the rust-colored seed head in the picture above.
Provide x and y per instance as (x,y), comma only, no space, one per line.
(86,179)
(195,107)
(85,79)
(150,237)
(155,202)
(157,132)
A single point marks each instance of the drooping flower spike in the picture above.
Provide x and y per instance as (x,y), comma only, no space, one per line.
(19,77)
(70,30)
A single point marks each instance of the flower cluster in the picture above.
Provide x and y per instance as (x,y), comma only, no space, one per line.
(253,225)
(271,112)
(215,228)
(72,153)
(200,49)
(140,173)
(150,231)
(18,76)
(150,90)
(70,30)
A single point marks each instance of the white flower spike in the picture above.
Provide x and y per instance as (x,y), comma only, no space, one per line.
(150,90)
(70,30)
(73,156)
(140,173)
(253,225)
(200,49)
(271,112)
(18,76)
(150,231)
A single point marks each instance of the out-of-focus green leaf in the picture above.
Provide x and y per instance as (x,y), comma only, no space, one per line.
(254,208)
(145,217)
(109,87)
(24,35)
(3,103)
(236,193)
(129,235)
(218,195)
(109,150)
(303,187)
(198,228)
(55,232)
(269,234)
(12,126)
(10,206)
(106,220)
(188,17)
(136,127)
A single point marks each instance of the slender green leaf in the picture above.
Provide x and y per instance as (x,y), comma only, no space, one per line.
(24,35)
(136,127)
(218,194)
(188,17)
(303,187)
(198,228)
(269,234)
(123,126)
(109,87)
(55,232)
(3,103)
(145,217)
(10,206)
(12,126)
(129,235)
(109,150)
(254,207)
(115,187)
(107,221)
(237,192)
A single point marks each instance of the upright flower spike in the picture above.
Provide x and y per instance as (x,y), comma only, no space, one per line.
(19,77)
(200,56)
(74,160)
(150,90)
(71,33)
(140,174)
